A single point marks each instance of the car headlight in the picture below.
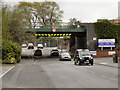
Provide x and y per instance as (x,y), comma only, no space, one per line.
(80,58)
(91,57)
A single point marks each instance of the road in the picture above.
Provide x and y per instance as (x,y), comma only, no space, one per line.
(49,72)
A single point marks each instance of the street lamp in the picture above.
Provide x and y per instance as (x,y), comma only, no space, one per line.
(78,26)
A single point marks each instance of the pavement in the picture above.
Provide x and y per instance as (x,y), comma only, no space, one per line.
(106,61)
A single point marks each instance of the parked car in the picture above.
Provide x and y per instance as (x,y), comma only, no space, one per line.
(37,53)
(54,52)
(40,46)
(24,46)
(30,46)
(65,56)
(83,56)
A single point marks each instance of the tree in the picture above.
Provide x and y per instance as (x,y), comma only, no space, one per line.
(6,15)
(53,13)
(10,50)
(74,23)
(40,14)
(25,8)
(105,29)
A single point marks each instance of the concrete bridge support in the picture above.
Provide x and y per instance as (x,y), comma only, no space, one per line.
(78,41)
(72,41)
(81,43)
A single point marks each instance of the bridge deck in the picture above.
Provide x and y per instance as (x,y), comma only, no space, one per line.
(58,30)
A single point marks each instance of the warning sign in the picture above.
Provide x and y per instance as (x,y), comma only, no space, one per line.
(53,30)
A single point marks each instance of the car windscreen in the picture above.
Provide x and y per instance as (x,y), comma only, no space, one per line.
(30,44)
(24,46)
(65,54)
(40,45)
(85,53)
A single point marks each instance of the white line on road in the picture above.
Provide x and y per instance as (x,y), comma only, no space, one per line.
(103,63)
(6,71)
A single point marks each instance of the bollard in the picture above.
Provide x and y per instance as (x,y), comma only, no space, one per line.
(115,58)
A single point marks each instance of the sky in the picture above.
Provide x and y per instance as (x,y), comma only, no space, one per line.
(83,10)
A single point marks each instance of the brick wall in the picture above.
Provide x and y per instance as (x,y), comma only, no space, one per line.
(105,54)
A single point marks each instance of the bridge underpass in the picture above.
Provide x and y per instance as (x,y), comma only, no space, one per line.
(77,36)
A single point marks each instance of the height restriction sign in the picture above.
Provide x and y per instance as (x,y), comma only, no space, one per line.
(53,30)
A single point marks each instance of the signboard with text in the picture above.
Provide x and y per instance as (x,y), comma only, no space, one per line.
(111,52)
(106,42)
(93,52)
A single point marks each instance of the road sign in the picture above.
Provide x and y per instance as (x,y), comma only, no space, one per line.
(94,38)
(53,29)
(93,52)
(106,42)
(111,52)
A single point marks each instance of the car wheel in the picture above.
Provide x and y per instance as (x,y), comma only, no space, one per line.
(80,63)
(91,62)
(75,63)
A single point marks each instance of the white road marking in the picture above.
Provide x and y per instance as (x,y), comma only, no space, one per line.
(6,71)
(103,63)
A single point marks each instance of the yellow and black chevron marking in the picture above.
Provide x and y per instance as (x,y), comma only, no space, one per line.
(53,35)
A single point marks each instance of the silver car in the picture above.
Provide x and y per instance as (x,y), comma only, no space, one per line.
(65,56)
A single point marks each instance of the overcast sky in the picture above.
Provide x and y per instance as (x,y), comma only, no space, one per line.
(84,10)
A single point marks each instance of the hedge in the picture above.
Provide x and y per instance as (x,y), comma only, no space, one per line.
(11,52)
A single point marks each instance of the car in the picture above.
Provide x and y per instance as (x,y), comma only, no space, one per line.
(40,46)
(65,56)
(54,52)
(83,56)
(24,45)
(37,53)
(30,46)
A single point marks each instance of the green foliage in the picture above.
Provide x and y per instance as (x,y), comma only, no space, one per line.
(9,59)
(104,29)
(46,13)
(74,23)
(5,22)
(107,30)
(17,50)
(10,50)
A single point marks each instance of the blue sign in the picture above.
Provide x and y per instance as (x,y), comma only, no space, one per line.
(106,43)
(93,52)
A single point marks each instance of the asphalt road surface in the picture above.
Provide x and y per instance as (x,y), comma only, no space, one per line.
(49,72)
